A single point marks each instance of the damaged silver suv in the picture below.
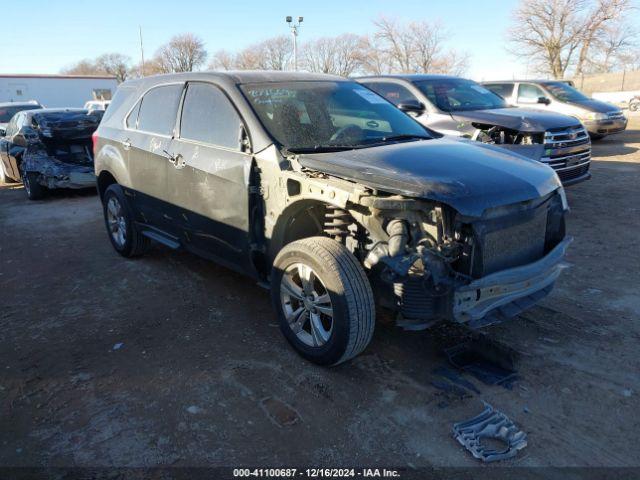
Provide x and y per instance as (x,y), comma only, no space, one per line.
(323,190)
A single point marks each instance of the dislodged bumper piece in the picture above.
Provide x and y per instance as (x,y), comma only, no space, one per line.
(506,293)
(490,424)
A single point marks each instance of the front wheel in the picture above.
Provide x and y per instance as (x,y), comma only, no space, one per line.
(323,300)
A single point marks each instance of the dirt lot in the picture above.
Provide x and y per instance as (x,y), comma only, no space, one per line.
(171,360)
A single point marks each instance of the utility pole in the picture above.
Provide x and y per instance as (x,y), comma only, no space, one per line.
(141,49)
(294,31)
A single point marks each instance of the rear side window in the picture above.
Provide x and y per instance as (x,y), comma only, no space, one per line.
(159,109)
(505,90)
(132,119)
(393,92)
(208,116)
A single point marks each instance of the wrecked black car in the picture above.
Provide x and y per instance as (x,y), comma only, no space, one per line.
(323,191)
(461,107)
(50,148)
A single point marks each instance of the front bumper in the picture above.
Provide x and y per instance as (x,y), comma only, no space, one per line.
(605,127)
(506,293)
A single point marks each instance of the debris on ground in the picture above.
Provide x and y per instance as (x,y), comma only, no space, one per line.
(474,434)
(118,346)
(455,378)
(193,409)
(490,362)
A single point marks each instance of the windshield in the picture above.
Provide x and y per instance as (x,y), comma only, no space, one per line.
(320,115)
(564,92)
(459,95)
(6,113)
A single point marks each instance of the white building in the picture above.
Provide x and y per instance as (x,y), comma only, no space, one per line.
(54,91)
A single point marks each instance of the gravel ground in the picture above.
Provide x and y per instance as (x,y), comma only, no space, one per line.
(172,360)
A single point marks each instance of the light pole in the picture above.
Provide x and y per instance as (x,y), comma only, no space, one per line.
(294,31)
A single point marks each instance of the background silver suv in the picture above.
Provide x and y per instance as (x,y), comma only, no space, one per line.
(600,118)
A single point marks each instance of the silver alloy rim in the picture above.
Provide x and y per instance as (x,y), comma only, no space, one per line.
(306,304)
(116,222)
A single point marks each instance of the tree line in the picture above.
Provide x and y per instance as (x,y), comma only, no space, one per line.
(557,37)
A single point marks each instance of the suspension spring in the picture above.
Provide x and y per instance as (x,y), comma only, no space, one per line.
(337,223)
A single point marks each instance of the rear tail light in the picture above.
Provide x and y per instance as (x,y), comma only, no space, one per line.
(94,142)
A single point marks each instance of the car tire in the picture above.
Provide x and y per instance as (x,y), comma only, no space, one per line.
(118,219)
(34,190)
(323,300)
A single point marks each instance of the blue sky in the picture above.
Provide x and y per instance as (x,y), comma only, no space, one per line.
(44,36)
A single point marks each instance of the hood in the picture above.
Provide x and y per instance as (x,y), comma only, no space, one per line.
(595,106)
(466,175)
(520,119)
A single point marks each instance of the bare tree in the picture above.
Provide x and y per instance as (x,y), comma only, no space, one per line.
(222,60)
(183,53)
(415,47)
(547,32)
(83,67)
(373,59)
(341,55)
(270,54)
(560,34)
(115,64)
(596,26)
(275,52)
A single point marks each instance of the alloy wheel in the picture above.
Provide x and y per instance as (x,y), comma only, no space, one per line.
(306,304)
(116,221)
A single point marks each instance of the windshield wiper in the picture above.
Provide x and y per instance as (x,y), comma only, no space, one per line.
(322,148)
(395,138)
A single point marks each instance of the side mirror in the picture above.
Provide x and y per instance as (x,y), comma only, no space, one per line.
(544,100)
(412,107)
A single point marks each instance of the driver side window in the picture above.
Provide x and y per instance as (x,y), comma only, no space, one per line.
(529,93)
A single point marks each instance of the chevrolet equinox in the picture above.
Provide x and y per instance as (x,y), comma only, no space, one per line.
(323,190)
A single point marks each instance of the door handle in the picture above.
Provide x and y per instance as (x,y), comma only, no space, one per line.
(126,144)
(176,160)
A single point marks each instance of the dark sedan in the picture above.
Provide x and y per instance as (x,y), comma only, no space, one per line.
(49,148)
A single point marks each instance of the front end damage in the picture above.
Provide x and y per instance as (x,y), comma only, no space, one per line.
(436,264)
(565,149)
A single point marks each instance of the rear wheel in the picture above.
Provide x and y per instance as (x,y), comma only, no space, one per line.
(123,235)
(34,190)
(323,299)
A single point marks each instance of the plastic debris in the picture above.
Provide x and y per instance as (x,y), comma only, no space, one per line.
(490,424)
(118,346)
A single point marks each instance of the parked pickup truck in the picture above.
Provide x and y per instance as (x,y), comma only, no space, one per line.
(461,107)
(329,195)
